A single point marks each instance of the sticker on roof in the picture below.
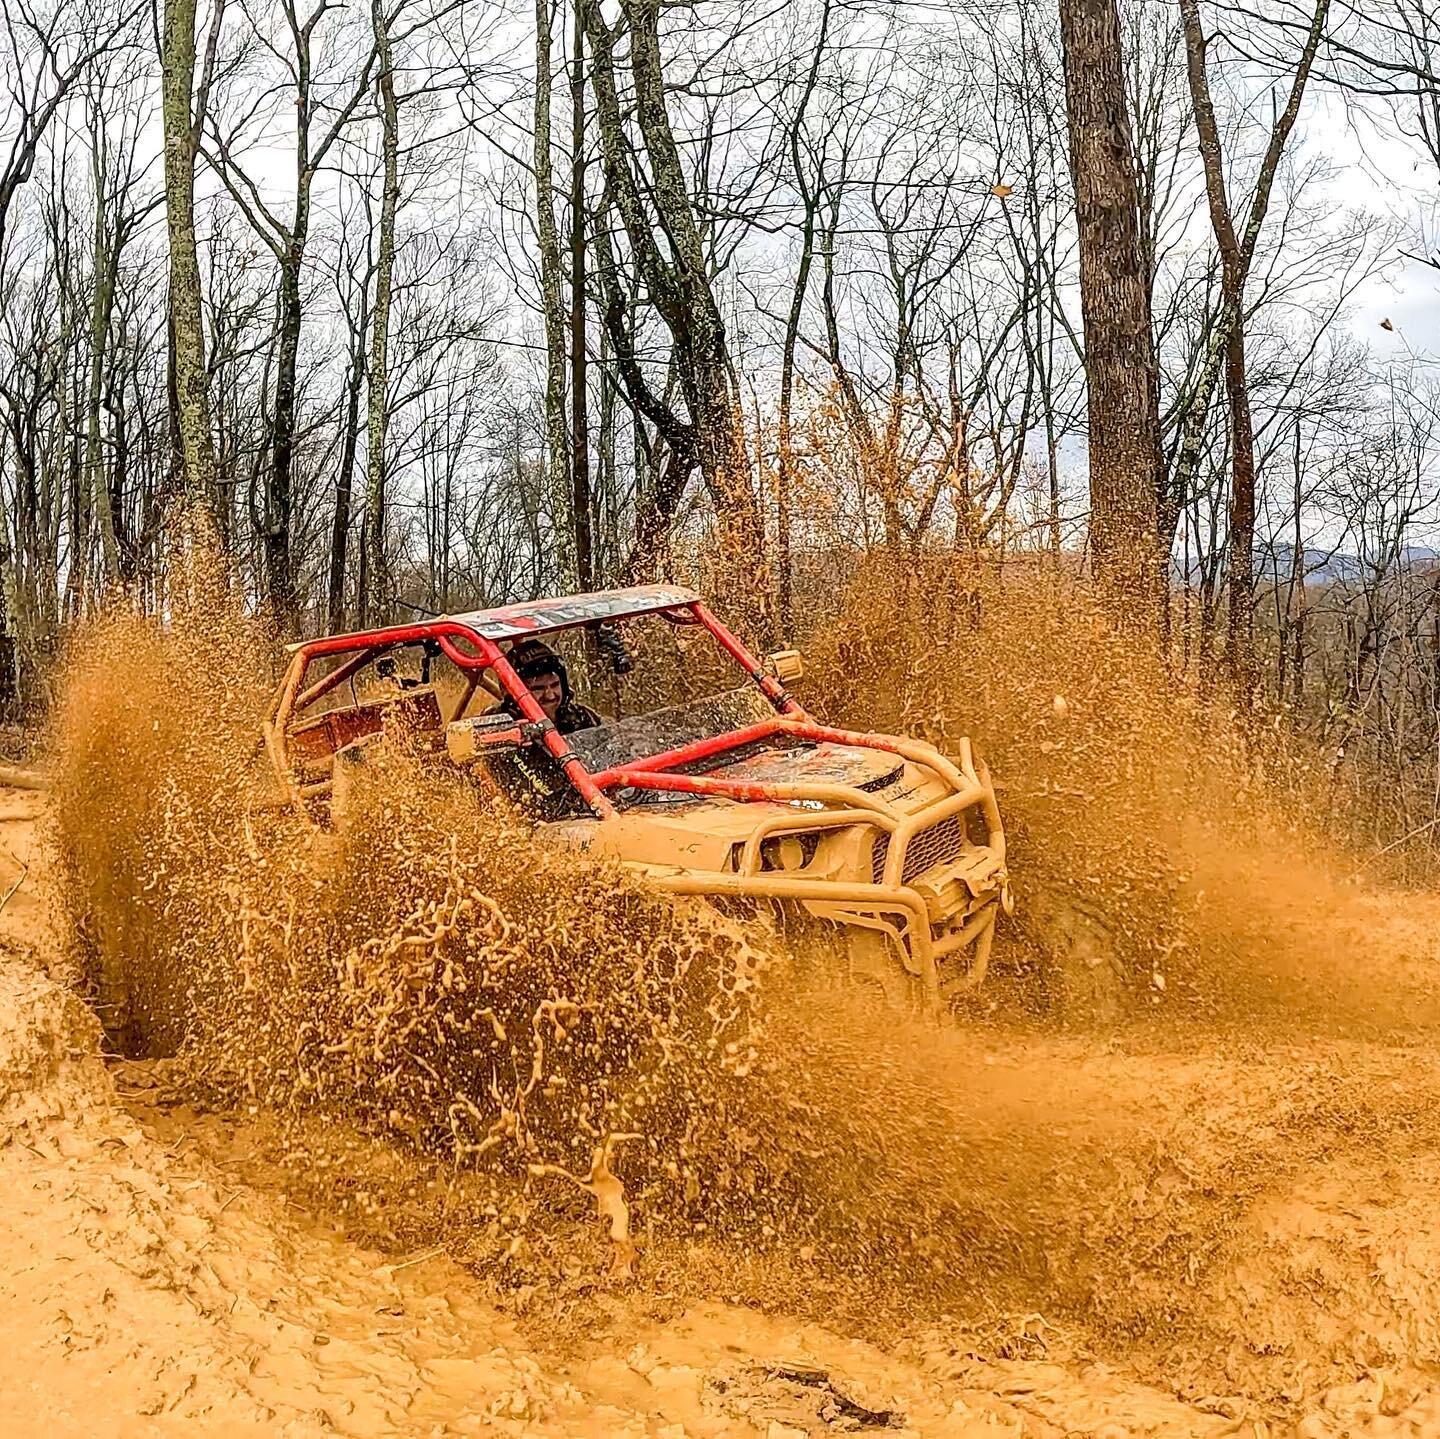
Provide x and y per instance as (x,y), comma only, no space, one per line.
(541,616)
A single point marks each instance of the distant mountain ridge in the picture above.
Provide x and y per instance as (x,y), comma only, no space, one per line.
(1322,564)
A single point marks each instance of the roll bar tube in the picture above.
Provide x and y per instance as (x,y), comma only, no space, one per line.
(654,772)
(486,654)
(731,643)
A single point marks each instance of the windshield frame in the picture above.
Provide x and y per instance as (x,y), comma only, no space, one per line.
(480,654)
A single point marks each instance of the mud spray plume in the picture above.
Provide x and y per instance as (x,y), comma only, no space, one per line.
(433,974)
(1164,854)
(501,1046)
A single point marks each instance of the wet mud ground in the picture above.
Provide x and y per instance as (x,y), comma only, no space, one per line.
(1231,1227)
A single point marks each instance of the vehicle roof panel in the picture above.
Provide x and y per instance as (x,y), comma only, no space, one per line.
(535,617)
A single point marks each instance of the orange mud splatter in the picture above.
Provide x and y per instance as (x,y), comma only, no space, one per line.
(1145,822)
(454,1035)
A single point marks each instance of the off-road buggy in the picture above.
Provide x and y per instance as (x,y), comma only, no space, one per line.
(740,797)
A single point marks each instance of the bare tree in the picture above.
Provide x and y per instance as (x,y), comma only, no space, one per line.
(552,302)
(320,118)
(808,192)
(581,498)
(184,117)
(1121,373)
(1237,249)
(116,171)
(666,243)
(353,274)
(375,596)
(47,55)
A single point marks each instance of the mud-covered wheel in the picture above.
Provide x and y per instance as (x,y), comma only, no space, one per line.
(873,959)
(1086,975)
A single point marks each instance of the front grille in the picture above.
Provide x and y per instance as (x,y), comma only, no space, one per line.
(939,844)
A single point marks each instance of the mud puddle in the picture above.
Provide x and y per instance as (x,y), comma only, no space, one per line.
(159,1279)
(637,1360)
(150,1289)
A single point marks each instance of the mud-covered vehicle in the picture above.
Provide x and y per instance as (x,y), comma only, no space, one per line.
(739,796)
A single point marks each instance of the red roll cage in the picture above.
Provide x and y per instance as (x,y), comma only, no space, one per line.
(472,643)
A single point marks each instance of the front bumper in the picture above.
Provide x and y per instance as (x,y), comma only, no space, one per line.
(936,920)
(921,876)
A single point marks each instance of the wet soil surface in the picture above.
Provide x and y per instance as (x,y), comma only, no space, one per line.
(1242,1228)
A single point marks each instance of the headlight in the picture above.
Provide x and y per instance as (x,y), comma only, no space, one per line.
(791,851)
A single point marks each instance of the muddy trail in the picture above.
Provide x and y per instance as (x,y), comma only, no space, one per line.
(434,1127)
(1234,1228)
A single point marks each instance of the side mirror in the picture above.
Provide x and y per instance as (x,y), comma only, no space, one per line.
(611,644)
(489,734)
(788,665)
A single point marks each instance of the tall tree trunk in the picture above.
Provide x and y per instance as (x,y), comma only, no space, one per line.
(196,453)
(1120,368)
(377,597)
(681,291)
(344,483)
(705,361)
(1299,601)
(279,491)
(105,264)
(581,502)
(1240,576)
(552,301)
(607,502)
(1191,445)
(809,200)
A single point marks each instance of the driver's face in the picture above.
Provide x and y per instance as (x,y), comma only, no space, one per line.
(548,693)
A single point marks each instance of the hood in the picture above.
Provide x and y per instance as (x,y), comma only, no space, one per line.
(867,769)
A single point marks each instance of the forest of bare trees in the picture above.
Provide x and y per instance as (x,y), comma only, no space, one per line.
(431,304)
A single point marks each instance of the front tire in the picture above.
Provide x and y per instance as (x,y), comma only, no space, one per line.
(1084,968)
(873,958)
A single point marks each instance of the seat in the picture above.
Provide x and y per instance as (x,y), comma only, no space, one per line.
(314,742)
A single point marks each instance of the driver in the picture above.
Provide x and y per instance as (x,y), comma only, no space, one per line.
(531,776)
(548,680)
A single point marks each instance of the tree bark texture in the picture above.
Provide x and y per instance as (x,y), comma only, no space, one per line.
(1120,368)
(1237,251)
(377,567)
(810,200)
(196,455)
(678,284)
(105,264)
(552,300)
(279,493)
(582,504)
(344,483)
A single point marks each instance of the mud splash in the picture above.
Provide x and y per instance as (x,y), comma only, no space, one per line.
(1168,858)
(460,1039)
(433,977)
